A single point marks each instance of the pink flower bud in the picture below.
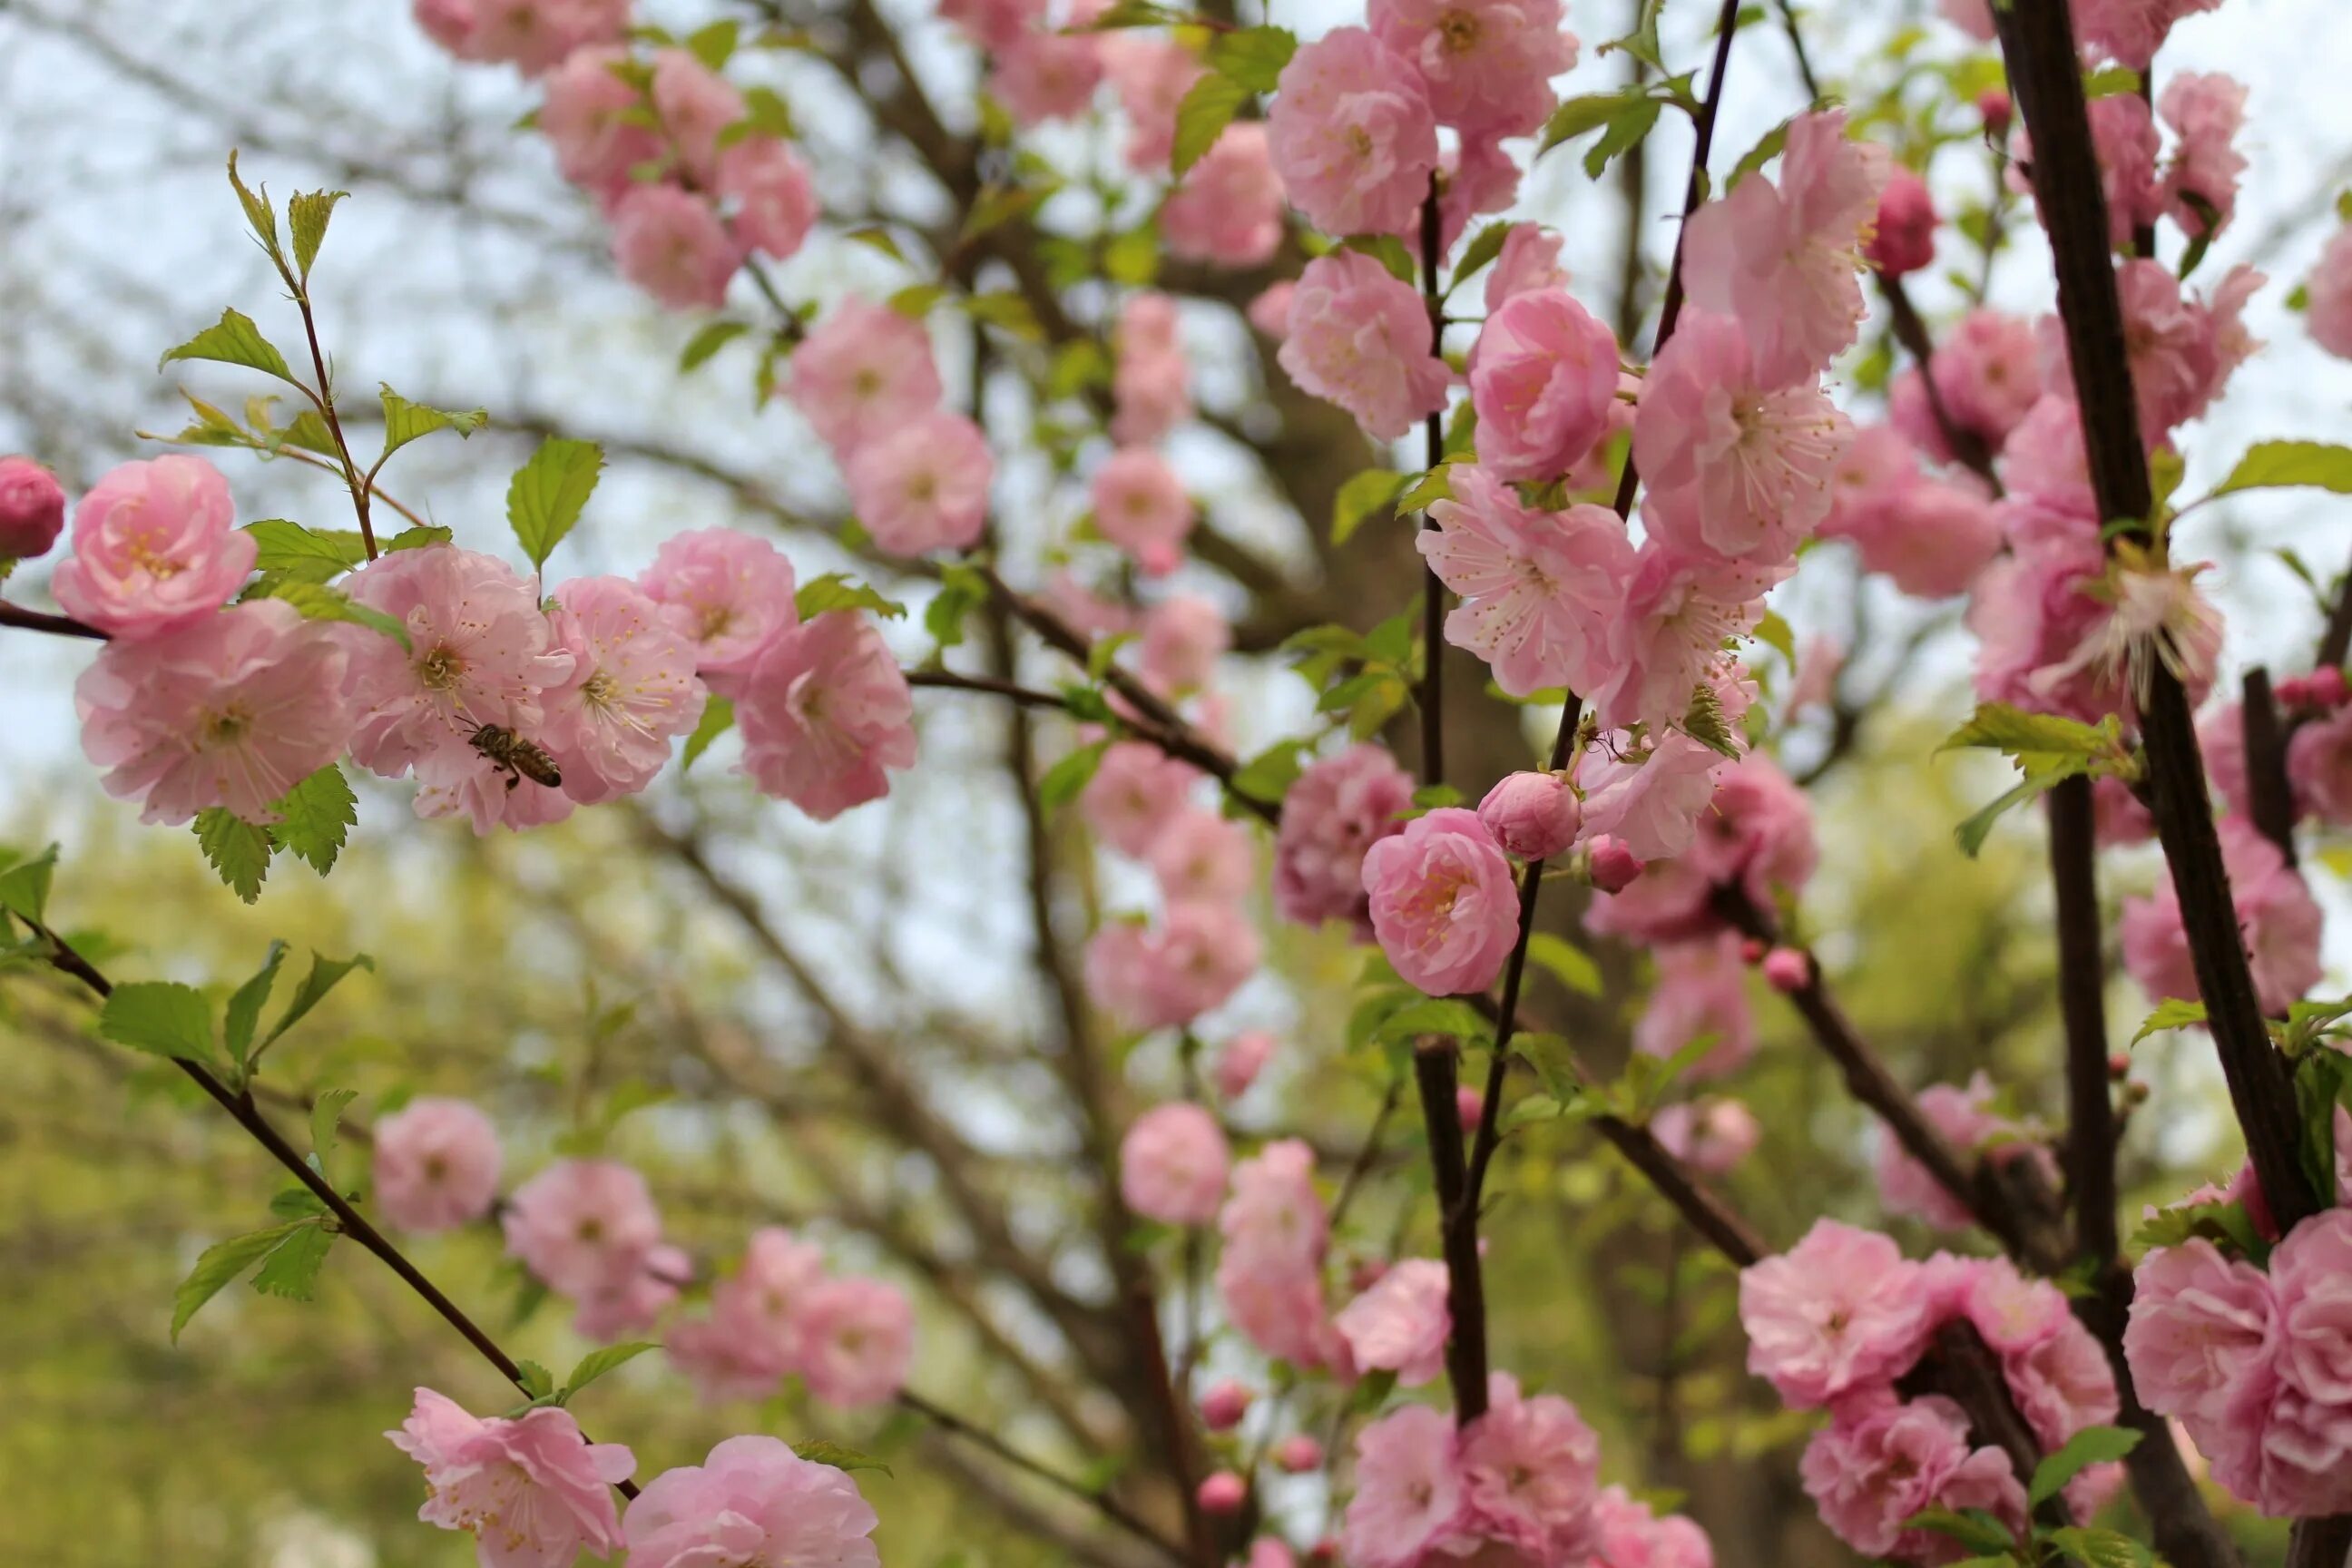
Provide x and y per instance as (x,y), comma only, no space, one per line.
(1751,951)
(1613,867)
(1533,816)
(2326,687)
(1788,969)
(1906,237)
(1324,1551)
(32,508)
(2119,1064)
(1298,1454)
(1223,1406)
(1223,1492)
(1994,105)
(1238,1065)
(1467,1104)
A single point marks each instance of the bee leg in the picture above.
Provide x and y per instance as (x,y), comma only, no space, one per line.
(512,780)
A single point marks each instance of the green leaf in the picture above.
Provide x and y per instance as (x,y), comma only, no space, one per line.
(1768,147)
(536,1379)
(322,602)
(549,493)
(2030,737)
(239,850)
(300,552)
(291,1269)
(1253,57)
(315,818)
(161,1017)
(1003,308)
(1484,246)
(2091,1446)
(834,591)
(1363,496)
(1567,963)
(295,1202)
(25,887)
(996,205)
(420,537)
(2226,1224)
(257,210)
(326,1122)
(597,1363)
(326,973)
(2322,1082)
(1774,633)
(404,421)
(962,589)
(916,300)
(1427,490)
(876,237)
(718,718)
(1063,781)
(1434,1015)
(2109,81)
(1388,250)
(714,43)
(1589,111)
(2173,1013)
(220,1263)
(708,342)
(246,1003)
(233,340)
(822,1451)
(1971,834)
(1268,775)
(2100,1548)
(307,213)
(1975,1529)
(2272,464)
(1202,117)
(1623,132)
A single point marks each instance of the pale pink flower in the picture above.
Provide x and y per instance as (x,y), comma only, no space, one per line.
(752,1336)
(591,116)
(581,1225)
(1352,135)
(1713,1135)
(2311,1273)
(2183,349)
(1674,616)
(924,486)
(1335,811)
(1358,337)
(1172,1164)
(1736,466)
(863,371)
(1632,1536)
(1535,815)
(728,592)
(1154,978)
(1228,208)
(1270,312)
(856,1339)
(531,1492)
(1401,1324)
(530,35)
(1987,373)
(632,1301)
(1973,17)
(1904,239)
(1885,1459)
(1965,1119)
(436,1164)
(155,546)
(1151,75)
(694,104)
(1474,178)
(1140,506)
(1487,64)
(1782,258)
(1528,263)
(670,243)
(1151,379)
(1758,834)
(1543,378)
(1841,1309)
(2329,316)
(32,508)
(2032,612)
(1647,803)
(1040,74)
(1539,588)
(771,203)
(1183,636)
(992,24)
(232,710)
(1239,1064)
(2202,1338)
(1137,791)
(1409,1492)
(2206,112)
(2132,30)
(1444,906)
(752,1500)
(2319,766)
(2013,1312)
(632,688)
(1275,1228)
(2063,1383)
(825,715)
(2124,137)
(2043,459)
(1701,993)
(2277,917)
(1933,540)
(1528,1468)
(1203,857)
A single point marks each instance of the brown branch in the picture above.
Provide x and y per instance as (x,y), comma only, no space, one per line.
(2271,796)
(1903,318)
(55,626)
(2082,979)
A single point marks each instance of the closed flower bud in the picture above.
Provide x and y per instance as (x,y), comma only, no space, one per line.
(1788,969)
(32,508)
(1223,1406)
(1223,1492)
(1298,1454)
(1535,815)
(1612,866)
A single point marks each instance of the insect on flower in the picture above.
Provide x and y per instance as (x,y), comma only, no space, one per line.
(512,755)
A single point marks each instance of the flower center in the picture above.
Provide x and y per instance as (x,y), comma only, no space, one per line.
(227,728)
(441,669)
(1459,32)
(716,621)
(599,690)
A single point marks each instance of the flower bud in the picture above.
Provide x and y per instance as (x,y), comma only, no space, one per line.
(1468,1103)
(1752,951)
(1906,237)
(1535,815)
(2326,687)
(1223,1406)
(1223,1492)
(1613,867)
(1298,1454)
(1994,106)
(32,508)
(1788,969)
(1238,1065)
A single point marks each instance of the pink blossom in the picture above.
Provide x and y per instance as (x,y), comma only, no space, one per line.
(581,1225)
(2132,30)
(1359,337)
(1973,17)
(1239,1064)
(2063,1383)
(531,1492)
(856,1340)
(825,714)
(766,186)
(1533,816)
(1135,793)
(1965,1119)
(1151,76)
(589,116)
(2318,765)
(2124,137)
(1676,614)
(1529,1469)
(1203,857)
(2330,288)
(1736,466)
(695,104)
(2311,1273)
(1183,636)
(1297,1455)
(1876,1466)
(1487,64)
(2203,1340)
(32,508)
(1647,801)
(2014,1312)
(1713,1135)
(752,1336)
(1224,1405)
(436,1164)
(1275,1228)
(2032,612)
(1352,135)
(1539,588)
(1543,378)
(2043,459)
(2206,112)
(1221,1493)
(1632,1536)
(728,592)
(924,486)
(670,243)
(2183,349)
(1040,75)
(1172,1164)
(155,546)
(1409,1489)
(632,1301)
(1336,810)
(1987,374)
(1154,979)
(1227,210)
(1782,258)
(530,35)
(863,371)
(1760,834)
(631,690)
(1444,906)
(1905,237)
(1931,538)
(1528,263)
(1270,312)
(752,1500)
(1701,993)
(992,24)
(1474,178)
(1399,1325)
(1150,382)
(2277,917)
(231,711)
(1140,506)
(1841,1309)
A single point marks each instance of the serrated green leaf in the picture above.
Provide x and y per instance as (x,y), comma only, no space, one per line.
(421,537)
(2267,465)
(233,340)
(962,590)
(238,849)
(1063,781)
(1623,132)
(996,205)
(718,718)
(290,1270)
(1253,57)
(1589,111)
(549,493)
(1971,834)
(257,210)
(1208,108)
(161,1017)
(536,1379)
(822,1451)
(1997,726)
(716,335)
(25,887)
(2173,1013)
(1363,496)
(836,591)
(315,818)
(2226,1224)
(326,973)
(308,555)
(307,213)
(1567,963)
(404,421)
(1434,1015)
(2091,1446)
(597,1363)
(326,1122)
(1974,1527)
(220,1263)
(2100,1548)
(246,1002)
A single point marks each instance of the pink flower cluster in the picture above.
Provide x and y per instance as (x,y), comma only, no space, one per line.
(1274,1231)
(588,1230)
(780,1314)
(2277,916)
(1839,1319)
(1965,1119)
